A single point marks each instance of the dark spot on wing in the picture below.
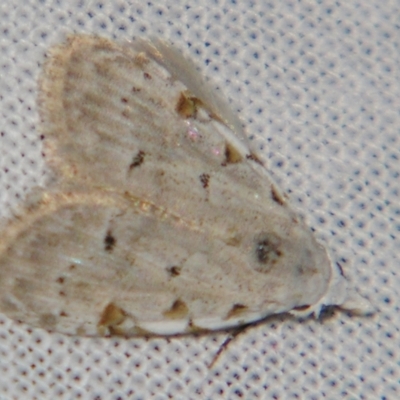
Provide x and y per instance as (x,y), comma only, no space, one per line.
(187,105)
(109,242)
(236,310)
(267,251)
(174,271)
(232,155)
(302,308)
(124,100)
(110,318)
(147,75)
(205,180)
(137,160)
(135,89)
(301,270)
(276,196)
(254,158)
(178,310)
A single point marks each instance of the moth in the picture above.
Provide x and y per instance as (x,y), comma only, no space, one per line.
(160,218)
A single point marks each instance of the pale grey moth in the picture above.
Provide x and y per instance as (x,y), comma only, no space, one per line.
(160,219)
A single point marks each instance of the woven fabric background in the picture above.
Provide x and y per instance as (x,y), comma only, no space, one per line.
(317,85)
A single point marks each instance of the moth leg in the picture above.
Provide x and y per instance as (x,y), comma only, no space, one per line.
(232,336)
